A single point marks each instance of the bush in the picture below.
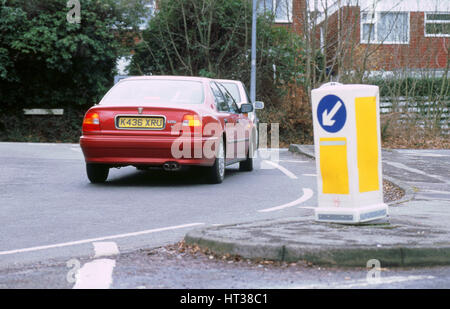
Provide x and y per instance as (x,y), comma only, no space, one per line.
(60,129)
(47,62)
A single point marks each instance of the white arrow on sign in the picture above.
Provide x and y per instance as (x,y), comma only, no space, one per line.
(327,118)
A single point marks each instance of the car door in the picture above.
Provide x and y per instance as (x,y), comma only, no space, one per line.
(240,134)
(243,131)
(227,120)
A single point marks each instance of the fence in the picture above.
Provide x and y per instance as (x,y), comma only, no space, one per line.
(418,111)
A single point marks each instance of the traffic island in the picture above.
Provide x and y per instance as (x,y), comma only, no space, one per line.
(400,242)
(416,233)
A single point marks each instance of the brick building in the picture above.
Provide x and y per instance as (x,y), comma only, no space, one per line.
(376,35)
(372,35)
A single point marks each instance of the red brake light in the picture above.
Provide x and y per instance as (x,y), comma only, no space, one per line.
(91,122)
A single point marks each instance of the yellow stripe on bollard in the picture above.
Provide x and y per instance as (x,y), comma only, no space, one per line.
(333,165)
(367,143)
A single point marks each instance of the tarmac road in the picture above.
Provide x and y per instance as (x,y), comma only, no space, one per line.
(52,218)
(50,210)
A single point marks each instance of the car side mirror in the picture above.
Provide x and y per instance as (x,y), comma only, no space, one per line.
(246,108)
(259,105)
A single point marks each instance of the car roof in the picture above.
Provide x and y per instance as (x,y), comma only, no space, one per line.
(167,77)
(228,81)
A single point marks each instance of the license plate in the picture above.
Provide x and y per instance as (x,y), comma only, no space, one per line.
(149,123)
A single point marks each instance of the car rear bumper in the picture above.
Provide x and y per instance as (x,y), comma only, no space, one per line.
(133,150)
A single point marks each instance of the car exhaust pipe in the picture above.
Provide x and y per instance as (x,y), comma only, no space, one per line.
(171,166)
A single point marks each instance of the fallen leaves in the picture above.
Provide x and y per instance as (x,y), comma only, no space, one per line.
(181,249)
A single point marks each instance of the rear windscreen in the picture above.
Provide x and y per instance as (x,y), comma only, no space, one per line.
(155,91)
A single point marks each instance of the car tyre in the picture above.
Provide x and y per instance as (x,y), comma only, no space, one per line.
(247,165)
(97,173)
(216,173)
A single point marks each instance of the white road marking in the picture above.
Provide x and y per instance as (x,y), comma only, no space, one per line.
(308,207)
(425,193)
(95,275)
(414,170)
(363,282)
(105,248)
(84,241)
(425,154)
(98,273)
(282,169)
(310,175)
(434,191)
(42,144)
(293,161)
(431,198)
(307,194)
(273,149)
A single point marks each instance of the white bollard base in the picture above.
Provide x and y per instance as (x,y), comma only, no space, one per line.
(351,215)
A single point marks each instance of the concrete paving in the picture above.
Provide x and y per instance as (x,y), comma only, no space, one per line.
(417,232)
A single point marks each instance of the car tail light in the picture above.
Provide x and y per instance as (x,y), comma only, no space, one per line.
(192,121)
(91,122)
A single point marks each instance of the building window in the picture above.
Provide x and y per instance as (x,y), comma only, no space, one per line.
(367,27)
(385,27)
(281,9)
(437,24)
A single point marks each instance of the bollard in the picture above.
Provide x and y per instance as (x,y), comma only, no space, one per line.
(347,146)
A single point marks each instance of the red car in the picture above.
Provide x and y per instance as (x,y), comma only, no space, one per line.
(167,121)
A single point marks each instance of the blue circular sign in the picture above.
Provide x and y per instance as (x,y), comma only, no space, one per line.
(331,113)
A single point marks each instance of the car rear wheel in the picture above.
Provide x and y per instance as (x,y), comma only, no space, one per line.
(247,165)
(216,173)
(97,173)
